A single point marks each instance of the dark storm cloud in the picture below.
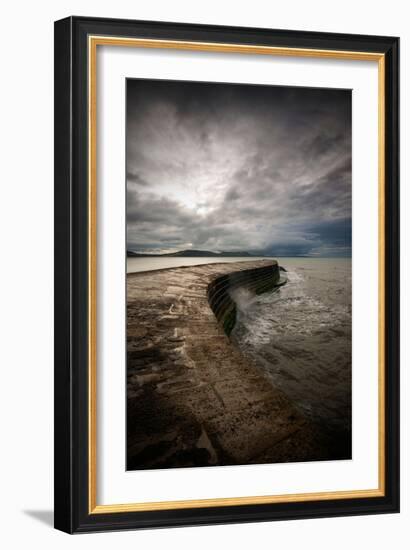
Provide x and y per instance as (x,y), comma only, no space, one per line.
(133,177)
(238,167)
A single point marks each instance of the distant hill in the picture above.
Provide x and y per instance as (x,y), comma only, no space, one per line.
(190,254)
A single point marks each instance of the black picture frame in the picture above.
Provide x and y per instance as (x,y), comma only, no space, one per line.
(72,466)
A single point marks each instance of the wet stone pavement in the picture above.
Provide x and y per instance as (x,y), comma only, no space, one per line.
(193,398)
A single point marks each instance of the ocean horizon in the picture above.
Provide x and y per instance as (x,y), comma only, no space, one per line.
(142,264)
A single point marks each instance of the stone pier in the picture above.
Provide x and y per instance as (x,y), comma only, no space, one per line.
(192,398)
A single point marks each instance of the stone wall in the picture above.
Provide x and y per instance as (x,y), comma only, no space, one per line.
(193,399)
(220,291)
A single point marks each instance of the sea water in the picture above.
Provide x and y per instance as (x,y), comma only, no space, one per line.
(301,335)
(146,263)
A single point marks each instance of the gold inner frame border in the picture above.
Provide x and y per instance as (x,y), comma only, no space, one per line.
(93,43)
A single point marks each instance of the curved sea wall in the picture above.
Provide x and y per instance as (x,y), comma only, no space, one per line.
(193,398)
(221,291)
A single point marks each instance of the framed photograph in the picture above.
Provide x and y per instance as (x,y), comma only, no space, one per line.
(226,274)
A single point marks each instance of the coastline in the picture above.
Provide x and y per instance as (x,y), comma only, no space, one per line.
(154,263)
(193,398)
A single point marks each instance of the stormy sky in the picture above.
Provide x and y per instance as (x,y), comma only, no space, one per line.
(228,167)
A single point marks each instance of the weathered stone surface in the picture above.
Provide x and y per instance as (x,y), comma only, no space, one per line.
(193,398)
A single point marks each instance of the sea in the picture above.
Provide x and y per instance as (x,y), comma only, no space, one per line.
(135,265)
(299,336)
